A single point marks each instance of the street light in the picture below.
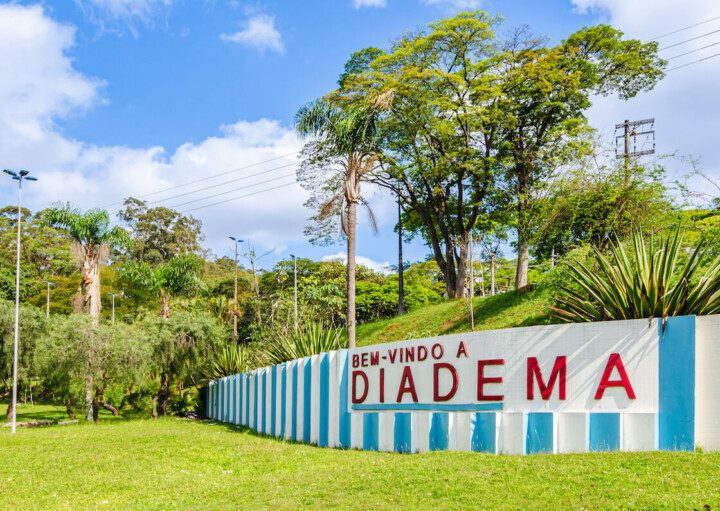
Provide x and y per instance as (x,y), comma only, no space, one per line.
(19,177)
(47,304)
(235,331)
(113,295)
(295,289)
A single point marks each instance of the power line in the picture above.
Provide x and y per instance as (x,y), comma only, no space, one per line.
(691,39)
(685,28)
(236,198)
(693,51)
(233,190)
(222,184)
(694,61)
(213,176)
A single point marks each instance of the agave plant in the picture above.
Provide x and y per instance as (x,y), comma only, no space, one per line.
(651,281)
(309,339)
(230,360)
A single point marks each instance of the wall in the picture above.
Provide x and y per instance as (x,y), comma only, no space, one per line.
(311,400)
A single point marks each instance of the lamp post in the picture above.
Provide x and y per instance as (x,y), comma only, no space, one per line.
(295,288)
(235,294)
(19,177)
(113,295)
(47,301)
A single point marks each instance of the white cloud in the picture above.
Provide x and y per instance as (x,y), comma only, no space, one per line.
(369,3)
(115,15)
(259,33)
(379,267)
(45,88)
(684,103)
(456,4)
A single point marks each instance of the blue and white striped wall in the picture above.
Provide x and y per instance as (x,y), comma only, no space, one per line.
(306,400)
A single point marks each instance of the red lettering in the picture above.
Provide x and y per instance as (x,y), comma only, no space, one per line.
(355,360)
(422,353)
(462,350)
(407,384)
(614,362)
(363,376)
(393,355)
(533,373)
(436,381)
(364,359)
(374,358)
(437,351)
(410,354)
(382,385)
(483,380)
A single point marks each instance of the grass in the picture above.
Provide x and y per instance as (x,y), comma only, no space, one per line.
(505,310)
(182,464)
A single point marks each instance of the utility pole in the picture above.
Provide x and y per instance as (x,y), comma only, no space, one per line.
(235,293)
(631,130)
(401,264)
(552,258)
(295,289)
(19,177)
(47,301)
(113,295)
(472,283)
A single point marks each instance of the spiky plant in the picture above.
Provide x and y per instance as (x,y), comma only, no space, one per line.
(310,339)
(652,280)
(230,360)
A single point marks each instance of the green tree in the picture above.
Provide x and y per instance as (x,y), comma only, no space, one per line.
(342,155)
(158,234)
(180,276)
(544,92)
(92,239)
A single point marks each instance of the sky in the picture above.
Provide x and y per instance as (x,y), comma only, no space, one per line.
(175,101)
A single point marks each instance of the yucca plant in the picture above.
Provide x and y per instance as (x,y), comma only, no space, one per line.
(230,360)
(652,281)
(309,339)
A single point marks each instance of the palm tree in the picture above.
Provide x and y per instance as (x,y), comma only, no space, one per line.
(92,238)
(345,142)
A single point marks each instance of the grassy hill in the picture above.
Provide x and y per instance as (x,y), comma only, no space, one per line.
(492,312)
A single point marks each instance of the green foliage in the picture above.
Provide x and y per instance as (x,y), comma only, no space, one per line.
(91,229)
(310,339)
(653,280)
(229,360)
(159,234)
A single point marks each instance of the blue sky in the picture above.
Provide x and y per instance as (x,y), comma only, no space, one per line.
(118,97)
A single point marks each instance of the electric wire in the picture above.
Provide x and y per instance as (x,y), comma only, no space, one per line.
(691,39)
(694,62)
(693,51)
(237,198)
(213,176)
(685,28)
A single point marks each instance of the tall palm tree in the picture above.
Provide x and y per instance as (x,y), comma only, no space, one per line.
(92,238)
(345,138)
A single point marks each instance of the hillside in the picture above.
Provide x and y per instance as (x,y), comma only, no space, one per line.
(505,310)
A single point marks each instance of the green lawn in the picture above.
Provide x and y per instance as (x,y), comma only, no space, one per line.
(505,310)
(181,464)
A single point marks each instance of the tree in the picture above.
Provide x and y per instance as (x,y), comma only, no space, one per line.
(342,155)
(178,276)
(158,234)
(92,238)
(544,92)
(440,134)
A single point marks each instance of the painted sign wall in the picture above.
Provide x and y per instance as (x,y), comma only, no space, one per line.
(622,385)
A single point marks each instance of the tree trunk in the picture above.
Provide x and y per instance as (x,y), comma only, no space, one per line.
(351,230)
(89,395)
(165,303)
(91,305)
(523,249)
(9,412)
(461,268)
(110,408)
(164,393)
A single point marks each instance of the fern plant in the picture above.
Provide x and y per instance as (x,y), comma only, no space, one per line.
(652,280)
(230,360)
(309,339)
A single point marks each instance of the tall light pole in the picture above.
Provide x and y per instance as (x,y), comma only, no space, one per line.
(47,301)
(401,266)
(235,295)
(19,177)
(295,301)
(113,295)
